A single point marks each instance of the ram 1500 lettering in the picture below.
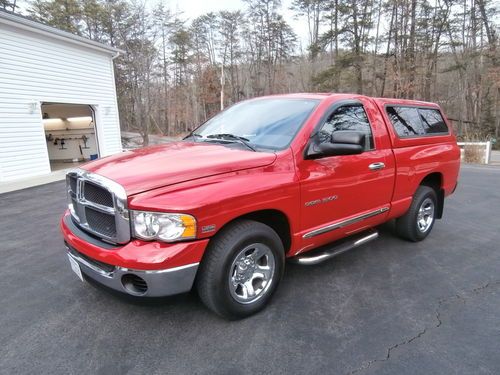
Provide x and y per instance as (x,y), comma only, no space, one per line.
(300,176)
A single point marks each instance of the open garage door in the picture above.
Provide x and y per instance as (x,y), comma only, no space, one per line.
(70,132)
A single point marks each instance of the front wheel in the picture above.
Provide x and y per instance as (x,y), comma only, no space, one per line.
(241,269)
(417,223)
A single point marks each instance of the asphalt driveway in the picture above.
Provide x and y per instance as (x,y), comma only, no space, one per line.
(390,307)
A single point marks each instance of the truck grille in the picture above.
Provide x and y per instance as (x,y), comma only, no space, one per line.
(98,206)
(72,183)
(97,194)
(100,222)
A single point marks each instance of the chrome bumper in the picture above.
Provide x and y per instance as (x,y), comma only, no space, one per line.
(159,283)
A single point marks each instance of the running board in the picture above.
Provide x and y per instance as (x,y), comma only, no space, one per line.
(337,248)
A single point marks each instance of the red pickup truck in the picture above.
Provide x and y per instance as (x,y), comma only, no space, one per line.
(301,176)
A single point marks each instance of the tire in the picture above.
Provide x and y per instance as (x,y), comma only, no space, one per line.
(245,256)
(418,221)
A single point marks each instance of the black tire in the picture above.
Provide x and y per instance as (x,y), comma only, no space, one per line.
(407,226)
(214,276)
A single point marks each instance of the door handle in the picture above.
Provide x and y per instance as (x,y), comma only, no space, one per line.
(376,166)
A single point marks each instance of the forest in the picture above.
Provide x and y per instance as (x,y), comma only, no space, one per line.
(175,72)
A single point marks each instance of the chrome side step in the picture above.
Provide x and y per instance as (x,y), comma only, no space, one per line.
(337,248)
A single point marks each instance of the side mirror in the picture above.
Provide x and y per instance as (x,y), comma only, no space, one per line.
(348,137)
(332,149)
(342,143)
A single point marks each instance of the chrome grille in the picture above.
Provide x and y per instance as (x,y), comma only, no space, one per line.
(98,205)
(72,183)
(97,194)
(101,222)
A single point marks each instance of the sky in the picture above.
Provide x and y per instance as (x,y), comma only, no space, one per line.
(194,8)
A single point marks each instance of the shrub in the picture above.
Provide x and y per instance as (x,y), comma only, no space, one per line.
(473,154)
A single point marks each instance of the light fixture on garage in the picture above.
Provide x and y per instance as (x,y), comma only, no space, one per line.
(32,107)
(82,118)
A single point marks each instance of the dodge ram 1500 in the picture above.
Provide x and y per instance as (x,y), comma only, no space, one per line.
(302,177)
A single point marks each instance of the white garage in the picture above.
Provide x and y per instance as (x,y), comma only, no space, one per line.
(58,104)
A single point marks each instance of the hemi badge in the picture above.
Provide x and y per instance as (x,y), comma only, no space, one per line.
(208,228)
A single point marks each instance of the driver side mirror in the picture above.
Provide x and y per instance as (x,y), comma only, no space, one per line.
(341,143)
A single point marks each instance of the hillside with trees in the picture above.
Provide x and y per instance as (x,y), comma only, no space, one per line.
(169,76)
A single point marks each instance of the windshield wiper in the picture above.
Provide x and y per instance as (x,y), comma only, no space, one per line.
(232,137)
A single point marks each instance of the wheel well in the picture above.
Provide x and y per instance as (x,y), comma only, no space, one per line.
(275,219)
(435,181)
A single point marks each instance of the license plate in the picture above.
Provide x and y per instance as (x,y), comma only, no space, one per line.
(75,267)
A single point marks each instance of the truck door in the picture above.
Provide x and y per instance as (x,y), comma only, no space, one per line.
(344,194)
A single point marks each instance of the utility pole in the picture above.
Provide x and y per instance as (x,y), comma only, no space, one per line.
(222,87)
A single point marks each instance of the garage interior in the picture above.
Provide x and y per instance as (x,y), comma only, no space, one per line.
(70,134)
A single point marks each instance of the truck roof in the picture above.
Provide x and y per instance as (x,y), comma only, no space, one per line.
(380,101)
(383,101)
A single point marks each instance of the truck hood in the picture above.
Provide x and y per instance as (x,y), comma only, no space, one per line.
(157,166)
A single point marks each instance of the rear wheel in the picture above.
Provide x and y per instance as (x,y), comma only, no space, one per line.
(417,223)
(241,269)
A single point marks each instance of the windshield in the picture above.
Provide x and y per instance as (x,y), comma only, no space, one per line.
(261,123)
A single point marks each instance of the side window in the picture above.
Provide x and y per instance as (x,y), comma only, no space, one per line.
(351,118)
(414,122)
(406,121)
(432,121)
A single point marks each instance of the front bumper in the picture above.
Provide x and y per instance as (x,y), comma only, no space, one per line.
(139,268)
(158,283)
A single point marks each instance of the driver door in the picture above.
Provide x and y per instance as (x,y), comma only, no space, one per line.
(344,194)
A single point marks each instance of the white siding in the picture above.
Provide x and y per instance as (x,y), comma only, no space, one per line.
(35,68)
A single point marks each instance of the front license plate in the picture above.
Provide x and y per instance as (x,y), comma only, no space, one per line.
(75,267)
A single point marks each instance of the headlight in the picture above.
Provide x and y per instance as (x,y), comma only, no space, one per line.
(163,226)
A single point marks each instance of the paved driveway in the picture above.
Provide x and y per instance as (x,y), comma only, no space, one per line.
(390,307)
